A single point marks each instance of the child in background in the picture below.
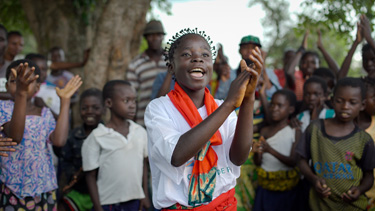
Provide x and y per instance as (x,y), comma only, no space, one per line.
(46,96)
(366,121)
(329,77)
(76,194)
(114,155)
(342,155)
(28,176)
(224,76)
(275,154)
(313,106)
(15,45)
(197,144)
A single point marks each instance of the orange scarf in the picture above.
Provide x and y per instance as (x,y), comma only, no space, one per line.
(203,178)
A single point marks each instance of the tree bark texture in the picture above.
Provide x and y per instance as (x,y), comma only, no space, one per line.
(116,40)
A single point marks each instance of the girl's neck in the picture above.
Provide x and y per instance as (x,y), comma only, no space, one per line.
(363,120)
(280,124)
(196,96)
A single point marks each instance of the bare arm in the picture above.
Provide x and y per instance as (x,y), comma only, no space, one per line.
(291,66)
(242,140)
(23,77)
(60,134)
(366,28)
(348,59)
(93,189)
(330,61)
(145,203)
(70,65)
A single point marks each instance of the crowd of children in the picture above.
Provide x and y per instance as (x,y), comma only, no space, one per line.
(213,138)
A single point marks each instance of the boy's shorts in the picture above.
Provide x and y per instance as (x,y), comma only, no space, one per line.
(78,201)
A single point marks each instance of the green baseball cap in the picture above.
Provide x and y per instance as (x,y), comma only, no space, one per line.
(250,39)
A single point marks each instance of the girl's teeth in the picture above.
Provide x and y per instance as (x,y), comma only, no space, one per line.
(90,118)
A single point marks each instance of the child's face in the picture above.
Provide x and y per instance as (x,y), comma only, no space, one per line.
(91,110)
(42,64)
(368,62)
(245,50)
(57,56)
(15,45)
(192,63)
(308,65)
(11,86)
(370,101)
(347,102)
(123,104)
(313,95)
(280,108)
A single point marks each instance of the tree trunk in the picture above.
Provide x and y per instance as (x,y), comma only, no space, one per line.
(117,39)
(114,35)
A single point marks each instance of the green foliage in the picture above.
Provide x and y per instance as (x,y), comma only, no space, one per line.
(13,17)
(162,5)
(84,9)
(340,16)
(335,18)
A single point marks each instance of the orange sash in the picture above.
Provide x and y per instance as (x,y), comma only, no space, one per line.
(203,178)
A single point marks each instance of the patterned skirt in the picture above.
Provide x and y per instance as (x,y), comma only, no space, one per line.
(10,202)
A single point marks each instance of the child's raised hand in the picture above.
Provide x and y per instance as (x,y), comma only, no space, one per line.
(321,187)
(359,35)
(24,77)
(319,43)
(304,41)
(70,88)
(366,27)
(352,194)
(295,123)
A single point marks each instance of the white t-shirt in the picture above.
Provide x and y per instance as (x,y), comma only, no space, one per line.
(47,92)
(120,162)
(170,184)
(282,142)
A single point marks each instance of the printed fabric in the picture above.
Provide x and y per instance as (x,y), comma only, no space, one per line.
(29,170)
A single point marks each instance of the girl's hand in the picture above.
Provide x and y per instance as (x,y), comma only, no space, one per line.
(352,195)
(366,28)
(24,77)
(5,144)
(304,41)
(70,88)
(321,187)
(265,146)
(295,123)
(257,148)
(255,70)
(237,89)
(359,36)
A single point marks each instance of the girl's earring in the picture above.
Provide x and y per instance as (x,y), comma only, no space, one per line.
(173,77)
